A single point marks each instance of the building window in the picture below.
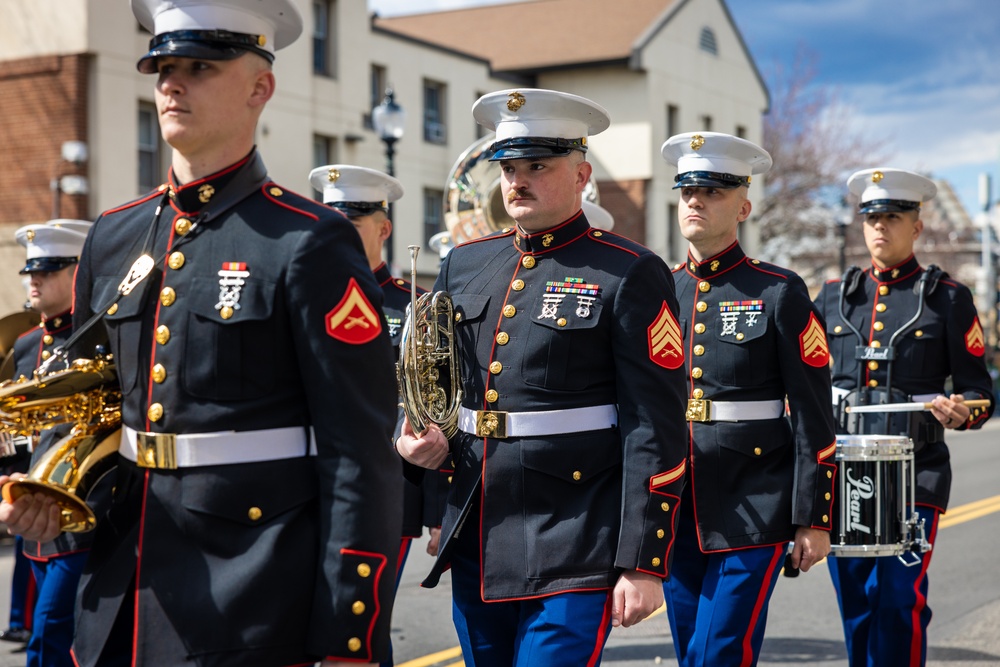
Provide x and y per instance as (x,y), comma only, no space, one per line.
(151,171)
(324,151)
(324,53)
(706,123)
(433,213)
(435,130)
(741,131)
(707,41)
(377,84)
(673,116)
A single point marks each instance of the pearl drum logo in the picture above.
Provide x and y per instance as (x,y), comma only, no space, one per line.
(858,491)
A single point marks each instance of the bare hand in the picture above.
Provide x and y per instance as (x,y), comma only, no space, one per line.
(810,547)
(32,516)
(951,412)
(636,595)
(432,544)
(428,450)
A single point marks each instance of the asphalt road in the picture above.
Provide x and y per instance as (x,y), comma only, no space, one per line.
(803,625)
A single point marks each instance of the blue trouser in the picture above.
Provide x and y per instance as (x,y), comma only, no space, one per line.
(883,605)
(404,551)
(565,629)
(52,634)
(717,602)
(21,588)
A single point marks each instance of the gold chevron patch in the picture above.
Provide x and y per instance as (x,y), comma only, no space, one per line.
(665,346)
(812,344)
(664,478)
(353,320)
(975,342)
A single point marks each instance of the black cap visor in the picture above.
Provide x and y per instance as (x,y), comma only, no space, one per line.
(520,148)
(710,179)
(357,209)
(200,45)
(888,206)
(47,264)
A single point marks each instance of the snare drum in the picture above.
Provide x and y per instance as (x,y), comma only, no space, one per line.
(874,505)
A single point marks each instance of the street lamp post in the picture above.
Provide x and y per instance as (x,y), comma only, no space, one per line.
(75,153)
(388,119)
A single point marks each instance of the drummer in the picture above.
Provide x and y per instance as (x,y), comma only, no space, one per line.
(914,328)
(52,252)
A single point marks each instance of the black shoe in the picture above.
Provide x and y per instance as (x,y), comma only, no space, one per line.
(19,635)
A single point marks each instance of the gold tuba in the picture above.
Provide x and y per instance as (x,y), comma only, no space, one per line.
(86,395)
(428,369)
(473,203)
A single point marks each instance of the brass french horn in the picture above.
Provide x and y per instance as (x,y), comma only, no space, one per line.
(86,395)
(430,384)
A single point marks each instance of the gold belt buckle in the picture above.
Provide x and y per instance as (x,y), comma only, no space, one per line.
(491,424)
(156,450)
(698,410)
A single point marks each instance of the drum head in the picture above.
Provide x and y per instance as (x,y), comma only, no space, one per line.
(873,448)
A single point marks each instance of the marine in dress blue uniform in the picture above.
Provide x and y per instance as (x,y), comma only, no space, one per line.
(758,479)
(568,460)
(255,518)
(898,332)
(52,251)
(363,196)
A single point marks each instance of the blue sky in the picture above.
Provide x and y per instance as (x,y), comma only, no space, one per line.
(920,76)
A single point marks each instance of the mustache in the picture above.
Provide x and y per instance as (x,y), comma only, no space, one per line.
(515,194)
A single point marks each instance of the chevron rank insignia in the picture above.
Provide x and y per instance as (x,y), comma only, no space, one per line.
(812,344)
(353,320)
(665,346)
(975,343)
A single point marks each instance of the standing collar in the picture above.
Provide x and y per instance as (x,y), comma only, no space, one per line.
(552,238)
(717,265)
(192,197)
(382,274)
(901,271)
(53,324)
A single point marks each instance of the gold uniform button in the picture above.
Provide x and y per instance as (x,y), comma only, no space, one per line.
(696,372)
(162,334)
(503,338)
(703,286)
(517,285)
(496,367)
(254,513)
(168,296)
(46,354)
(878,326)
(182,226)
(358,608)
(47,339)
(528,262)
(838,329)
(661,533)
(176,260)
(364,570)
(598,234)
(880,307)
(697,393)
(492,396)
(699,328)
(829,474)
(354,644)
(155,412)
(740,336)
(665,507)
(655,562)
(826,496)
(226,312)
(159,373)
(883,290)
(276,192)
(918,333)
(509,310)
(873,365)
(873,383)
(577,475)
(113,309)
(826,519)
(701,307)
(699,350)
(561,321)
(875,343)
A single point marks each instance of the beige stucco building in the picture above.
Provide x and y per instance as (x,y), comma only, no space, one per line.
(659,66)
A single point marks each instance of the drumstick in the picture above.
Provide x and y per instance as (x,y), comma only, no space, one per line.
(911,407)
